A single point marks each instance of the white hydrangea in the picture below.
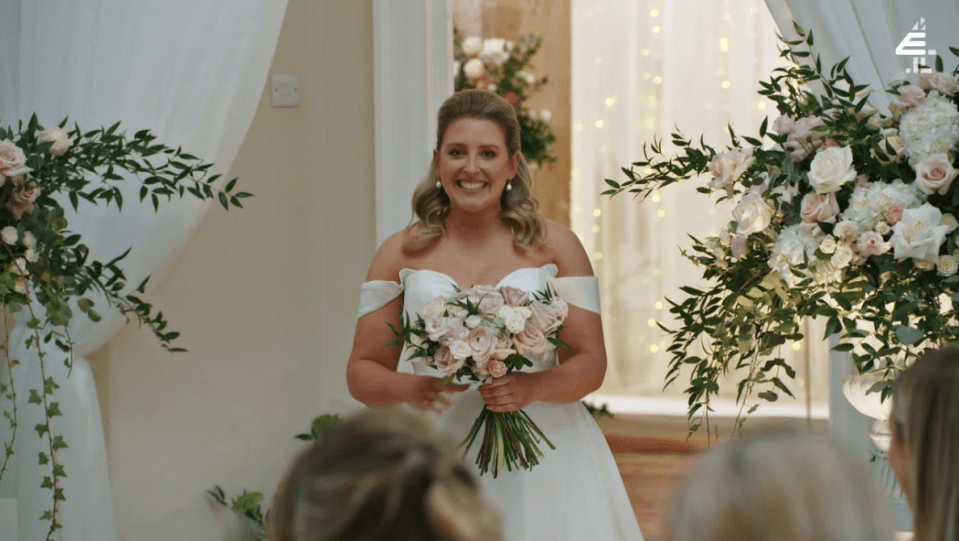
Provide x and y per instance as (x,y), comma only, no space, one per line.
(867,206)
(932,127)
(794,247)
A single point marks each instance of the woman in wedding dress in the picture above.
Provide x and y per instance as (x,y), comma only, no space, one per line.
(477,224)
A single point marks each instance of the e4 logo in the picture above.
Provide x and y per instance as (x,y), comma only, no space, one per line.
(914,45)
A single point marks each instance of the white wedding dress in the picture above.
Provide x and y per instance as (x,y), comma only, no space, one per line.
(576,492)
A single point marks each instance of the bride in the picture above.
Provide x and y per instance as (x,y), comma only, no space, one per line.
(477,224)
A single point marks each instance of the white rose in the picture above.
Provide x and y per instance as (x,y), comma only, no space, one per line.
(9,235)
(515,322)
(29,240)
(31,255)
(738,246)
(545,115)
(922,264)
(883,228)
(783,125)
(950,221)
(13,161)
(526,76)
(890,138)
(472,46)
(752,214)
(947,265)
(416,340)
(919,234)
(494,50)
(842,257)
(436,327)
(473,321)
(458,313)
(60,140)
(828,245)
(831,168)
(935,174)
(474,68)
(532,115)
(491,88)
(460,349)
(435,308)
(21,285)
(846,230)
(19,266)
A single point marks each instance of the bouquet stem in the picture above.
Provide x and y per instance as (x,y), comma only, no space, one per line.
(510,439)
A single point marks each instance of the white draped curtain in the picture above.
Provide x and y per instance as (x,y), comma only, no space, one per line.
(642,68)
(193,72)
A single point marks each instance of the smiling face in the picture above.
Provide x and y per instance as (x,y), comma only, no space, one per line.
(474,165)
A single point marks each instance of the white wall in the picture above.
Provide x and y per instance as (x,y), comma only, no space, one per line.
(265,298)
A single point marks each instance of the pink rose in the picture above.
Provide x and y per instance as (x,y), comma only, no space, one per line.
(13,162)
(871,243)
(935,174)
(894,214)
(21,201)
(910,95)
(543,318)
(862,181)
(497,369)
(455,332)
(513,296)
(943,82)
(819,207)
(482,344)
(446,362)
(560,308)
(532,342)
(804,139)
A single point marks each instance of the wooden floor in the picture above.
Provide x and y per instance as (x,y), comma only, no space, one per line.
(651,470)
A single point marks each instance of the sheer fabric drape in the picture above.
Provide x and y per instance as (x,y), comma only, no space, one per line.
(641,68)
(193,72)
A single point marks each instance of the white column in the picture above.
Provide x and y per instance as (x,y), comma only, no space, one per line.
(412,60)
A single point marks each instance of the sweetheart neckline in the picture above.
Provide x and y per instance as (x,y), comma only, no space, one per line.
(457,284)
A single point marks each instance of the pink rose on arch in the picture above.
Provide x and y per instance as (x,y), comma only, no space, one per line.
(21,201)
(446,362)
(943,82)
(894,214)
(532,342)
(934,174)
(514,296)
(497,369)
(819,207)
(871,243)
(911,95)
(13,161)
(482,343)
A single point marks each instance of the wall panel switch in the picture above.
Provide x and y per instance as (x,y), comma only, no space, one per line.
(285,90)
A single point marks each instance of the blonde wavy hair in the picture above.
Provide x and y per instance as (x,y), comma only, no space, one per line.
(431,205)
(383,474)
(776,485)
(925,410)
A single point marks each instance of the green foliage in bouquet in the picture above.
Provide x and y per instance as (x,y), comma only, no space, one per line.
(45,268)
(842,212)
(504,67)
(249,503)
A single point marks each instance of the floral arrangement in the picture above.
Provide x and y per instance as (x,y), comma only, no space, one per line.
(503,67)
(46,270)
(841,212)
(480,334)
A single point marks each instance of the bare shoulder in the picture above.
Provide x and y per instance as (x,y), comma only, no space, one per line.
(389,259)
(567,251)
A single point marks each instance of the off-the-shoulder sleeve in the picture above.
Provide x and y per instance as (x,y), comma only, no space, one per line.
(375,294)
(581,291)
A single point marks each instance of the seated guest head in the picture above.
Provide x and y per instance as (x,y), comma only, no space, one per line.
(924,451)
(779,485)
(381,475)
(384,474)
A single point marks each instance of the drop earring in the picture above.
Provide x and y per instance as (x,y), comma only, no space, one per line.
(509,186)
(439,185)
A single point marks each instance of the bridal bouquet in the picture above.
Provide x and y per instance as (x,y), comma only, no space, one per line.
(480,334)
(841,211)
(502,66)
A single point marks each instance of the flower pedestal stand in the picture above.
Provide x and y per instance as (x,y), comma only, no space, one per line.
(869,404)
